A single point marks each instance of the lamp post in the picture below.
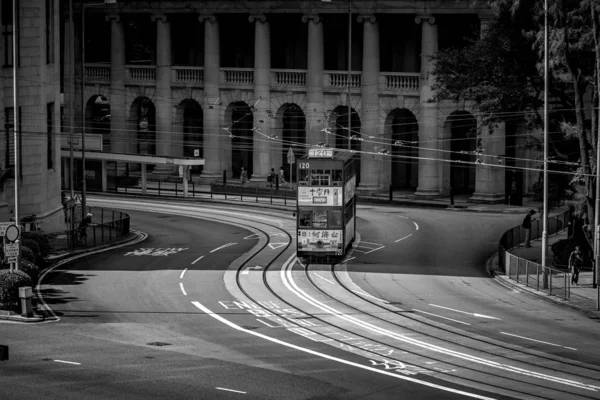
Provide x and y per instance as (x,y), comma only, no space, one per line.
(545,210)
(16,132)
(349,77)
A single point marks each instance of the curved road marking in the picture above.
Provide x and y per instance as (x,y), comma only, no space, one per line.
(465,312)
(535,340)
(323,355)
(288,281)
(368,295)
(405,237)
(67,362)
(197,259)
(439,316)
(141,237)
(182,273)
(416,226)
(222,247)
(325,279)
(182,289)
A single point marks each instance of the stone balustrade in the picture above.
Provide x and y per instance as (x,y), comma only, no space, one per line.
(237,76)
(402,81)
(187,74)
(141,73)
(288,77)
(97,73)
(339,79)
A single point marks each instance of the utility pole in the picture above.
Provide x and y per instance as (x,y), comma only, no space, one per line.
(545,212)
(348,102)
(71,95)
(16,120)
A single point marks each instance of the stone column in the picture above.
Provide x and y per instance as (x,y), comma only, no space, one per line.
(370,122)
(315,111)
(164,125)
(489,177)
(119,138)
(428,116)
(213,134)
(262,81)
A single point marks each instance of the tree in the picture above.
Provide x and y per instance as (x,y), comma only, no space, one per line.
(502,74)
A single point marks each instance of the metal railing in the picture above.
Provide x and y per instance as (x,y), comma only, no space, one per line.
(107,225)
(548,279)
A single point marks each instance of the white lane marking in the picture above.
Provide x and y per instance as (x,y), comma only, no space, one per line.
(405,237)
(197,259)
(416,226)
(465,312)
(346,260)
(231,390)
(288,281)
(141,237)
(323,355)
(275,246)
(247,269)
(182,289)
(222,247)
(379,248)
(67,362)
(535,340)
(371,296)
(439,316)
(182,273)
(325,279)
(376,244)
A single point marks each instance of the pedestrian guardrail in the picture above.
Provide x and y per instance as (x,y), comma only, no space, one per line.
(106,226)
(555,281)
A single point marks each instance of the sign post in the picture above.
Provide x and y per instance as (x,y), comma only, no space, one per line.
(291,159)
(10,239)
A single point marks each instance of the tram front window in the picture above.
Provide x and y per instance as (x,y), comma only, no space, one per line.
(320,219)
(304,219)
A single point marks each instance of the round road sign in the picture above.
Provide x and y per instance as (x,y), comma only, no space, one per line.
(12,233)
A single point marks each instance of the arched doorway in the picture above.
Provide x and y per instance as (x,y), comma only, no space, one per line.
(142,127)
(293,135)
(97,118)
(463,140)
(405,149)
(241,133)
(193,131)
(343,137)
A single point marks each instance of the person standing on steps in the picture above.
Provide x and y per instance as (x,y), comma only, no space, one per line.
(575,263)
(527,226)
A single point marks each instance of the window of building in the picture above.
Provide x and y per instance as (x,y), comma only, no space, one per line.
(49,31)
(7,33)
(50,133)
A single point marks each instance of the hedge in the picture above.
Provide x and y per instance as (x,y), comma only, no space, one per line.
(30,269)
(27,254)
(10,282)
(43,241)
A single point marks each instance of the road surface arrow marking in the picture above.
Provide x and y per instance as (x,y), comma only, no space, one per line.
(246,270)
(276,245)
(465,312)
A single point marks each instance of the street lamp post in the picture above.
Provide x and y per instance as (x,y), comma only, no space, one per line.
(545,210)
(16,132)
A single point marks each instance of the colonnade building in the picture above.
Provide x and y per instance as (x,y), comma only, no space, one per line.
(240,83)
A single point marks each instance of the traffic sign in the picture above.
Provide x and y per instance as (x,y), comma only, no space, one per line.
(12,233)
(11,252)
(3,226)
(290,156)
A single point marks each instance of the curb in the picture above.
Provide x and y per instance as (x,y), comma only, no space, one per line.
(499,276)
(41,310)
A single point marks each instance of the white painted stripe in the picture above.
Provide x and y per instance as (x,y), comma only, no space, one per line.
(379,248)
(197,259)
(416,226)
(67,362)
(371,296)
(231,390)
(346,260)
(288,281)
(464,312)
(182,273)
(326,356)
(222,247)
(405,237)
(376,244)
(182,289)
(536,340)
(325,279)
(439,316)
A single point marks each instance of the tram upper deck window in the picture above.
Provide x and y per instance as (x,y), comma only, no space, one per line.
(336,177)
(304,179)
(318,177)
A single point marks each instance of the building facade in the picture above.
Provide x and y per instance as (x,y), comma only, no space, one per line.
(241,83)
(38,110)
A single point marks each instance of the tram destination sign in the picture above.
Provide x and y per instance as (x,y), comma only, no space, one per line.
(320,153)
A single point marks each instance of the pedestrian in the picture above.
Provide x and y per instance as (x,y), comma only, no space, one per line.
(281,175)
(575,263)
(527,226)
(83,225)
(271,177)
(243,176)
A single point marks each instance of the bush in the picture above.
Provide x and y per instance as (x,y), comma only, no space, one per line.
(10,282)
(30,269)
(27,254)
(32,245)
(43,240)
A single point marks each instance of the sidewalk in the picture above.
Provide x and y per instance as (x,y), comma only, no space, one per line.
(583,296)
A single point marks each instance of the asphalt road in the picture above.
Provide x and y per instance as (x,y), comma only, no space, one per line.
(216,307)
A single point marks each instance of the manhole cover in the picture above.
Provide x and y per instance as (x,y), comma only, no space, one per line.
(158,344)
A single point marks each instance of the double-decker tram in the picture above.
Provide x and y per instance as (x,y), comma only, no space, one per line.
(326,206)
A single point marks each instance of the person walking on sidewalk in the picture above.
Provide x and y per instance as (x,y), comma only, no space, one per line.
(282,176)
(575,263)
(527,226)
(243,176)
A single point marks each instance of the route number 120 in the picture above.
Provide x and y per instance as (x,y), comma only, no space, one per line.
(304,165)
